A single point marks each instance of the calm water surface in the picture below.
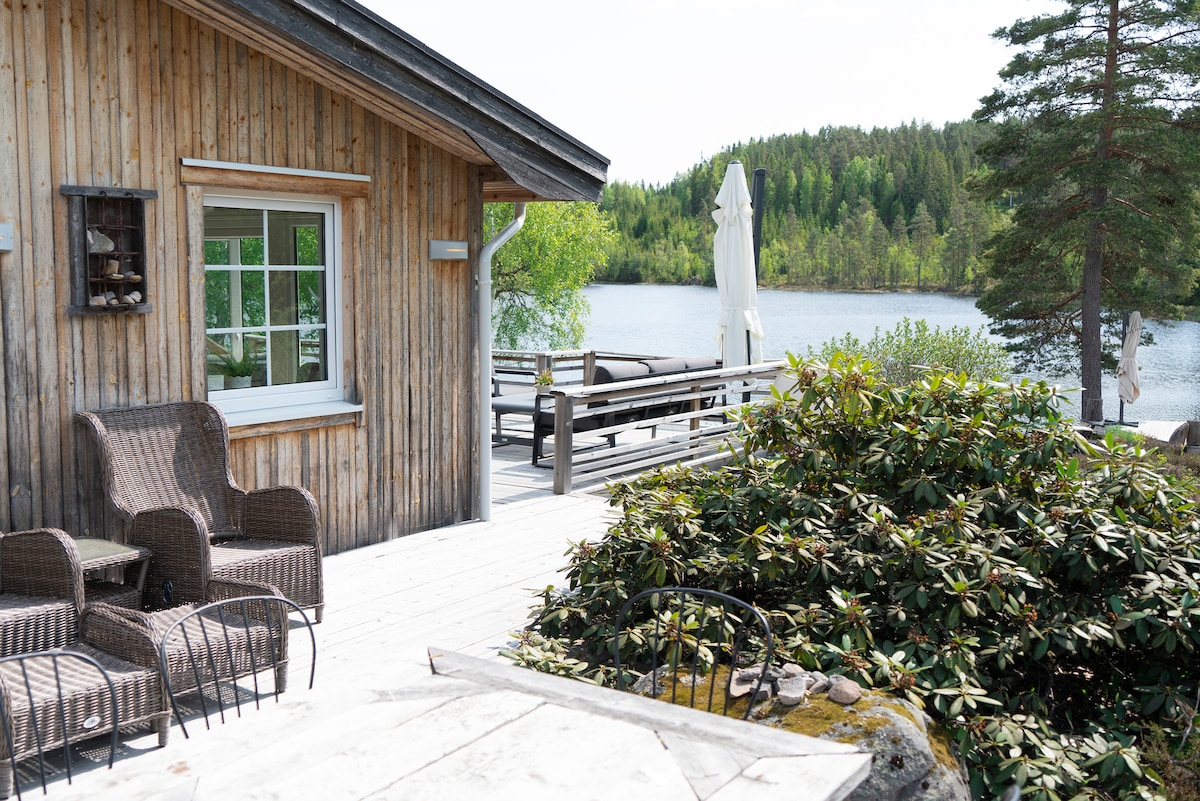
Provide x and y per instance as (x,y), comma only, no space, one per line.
(682,320)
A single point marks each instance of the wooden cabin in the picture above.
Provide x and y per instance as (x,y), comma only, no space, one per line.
(237,200)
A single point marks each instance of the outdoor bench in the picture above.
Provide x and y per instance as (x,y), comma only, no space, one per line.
(539,407)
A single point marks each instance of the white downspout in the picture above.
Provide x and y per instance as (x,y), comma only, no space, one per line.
(485,357)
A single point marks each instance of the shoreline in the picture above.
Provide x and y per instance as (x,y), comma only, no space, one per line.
(1190,314)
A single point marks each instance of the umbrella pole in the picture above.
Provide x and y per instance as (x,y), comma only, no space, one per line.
(746,395)
(1120,400)
(757,192)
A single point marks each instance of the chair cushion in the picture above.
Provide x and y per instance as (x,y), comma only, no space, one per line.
(250,642)
(291,569)
(31,623)
(85,694)
(519,403)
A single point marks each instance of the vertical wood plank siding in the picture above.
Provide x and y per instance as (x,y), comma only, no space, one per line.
(114,93)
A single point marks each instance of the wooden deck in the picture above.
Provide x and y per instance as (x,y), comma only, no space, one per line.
(380,725)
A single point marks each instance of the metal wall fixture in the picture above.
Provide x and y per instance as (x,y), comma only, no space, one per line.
(447,250)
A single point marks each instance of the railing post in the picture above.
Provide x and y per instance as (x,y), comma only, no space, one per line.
(564,419)
(589,367)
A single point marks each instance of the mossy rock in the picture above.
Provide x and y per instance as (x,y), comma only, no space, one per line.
(914,760)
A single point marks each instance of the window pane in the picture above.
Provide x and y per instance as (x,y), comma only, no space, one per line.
(219,346)
(295,235)
(234,298)
(298,357)
(233,225)
(216,299)
(252,251)
(283,297)
(311,297)
(241,358)
(216,251)
(254,298)
(309,252)
(314,363)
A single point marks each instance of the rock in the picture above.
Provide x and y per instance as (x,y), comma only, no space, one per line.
(746,680)
(99,242)
(913,758)
(792,669)
(793,690)
(845,692)
(738,687)
(650,684)
(818,682)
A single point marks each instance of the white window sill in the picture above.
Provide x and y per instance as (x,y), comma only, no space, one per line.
(279,414)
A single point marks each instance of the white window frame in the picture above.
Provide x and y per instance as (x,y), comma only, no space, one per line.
(311,399)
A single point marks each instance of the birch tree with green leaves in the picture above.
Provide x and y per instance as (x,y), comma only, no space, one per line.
(1098,152)
(538,276)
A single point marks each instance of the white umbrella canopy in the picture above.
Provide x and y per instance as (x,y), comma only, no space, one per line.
(1127,369)
(740,331)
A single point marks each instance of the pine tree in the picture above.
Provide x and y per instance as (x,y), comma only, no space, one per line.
(1097,148)
(924,229)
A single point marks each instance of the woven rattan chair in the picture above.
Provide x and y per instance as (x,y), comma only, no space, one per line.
(234,645)
(166,474)
(204,649)
(40,605)
(691,642)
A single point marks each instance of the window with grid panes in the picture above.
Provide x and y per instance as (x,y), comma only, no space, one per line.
(271,310)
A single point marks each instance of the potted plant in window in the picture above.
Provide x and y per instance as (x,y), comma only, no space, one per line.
(238,372)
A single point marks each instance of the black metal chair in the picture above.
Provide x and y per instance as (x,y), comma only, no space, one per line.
(693,640)
(210,647)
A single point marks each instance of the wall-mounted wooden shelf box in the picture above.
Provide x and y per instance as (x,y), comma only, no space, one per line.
(107,230)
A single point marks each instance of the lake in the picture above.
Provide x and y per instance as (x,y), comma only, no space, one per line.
(682,321)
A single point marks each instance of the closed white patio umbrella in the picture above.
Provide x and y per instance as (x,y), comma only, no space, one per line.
(1128,388)
(740,331)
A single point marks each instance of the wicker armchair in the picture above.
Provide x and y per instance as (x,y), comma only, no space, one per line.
(166,473)
(40,608)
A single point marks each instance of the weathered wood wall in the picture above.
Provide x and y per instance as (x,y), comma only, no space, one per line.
(114,93)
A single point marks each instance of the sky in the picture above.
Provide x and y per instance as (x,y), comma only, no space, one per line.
(659,85)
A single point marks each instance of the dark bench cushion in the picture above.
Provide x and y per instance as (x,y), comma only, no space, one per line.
(660,366)
(620,371)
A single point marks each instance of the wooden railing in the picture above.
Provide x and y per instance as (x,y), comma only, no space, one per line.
(515,370)
(679,418)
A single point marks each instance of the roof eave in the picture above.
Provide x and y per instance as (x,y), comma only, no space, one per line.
(348,47)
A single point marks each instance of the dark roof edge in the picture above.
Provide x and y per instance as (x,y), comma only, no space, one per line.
(536,154)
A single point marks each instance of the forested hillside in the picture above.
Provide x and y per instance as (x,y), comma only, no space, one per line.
(844,209)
